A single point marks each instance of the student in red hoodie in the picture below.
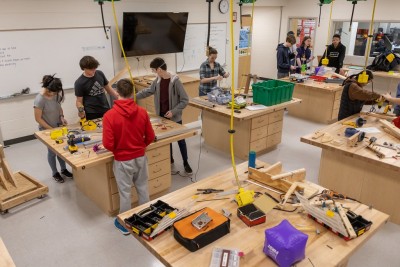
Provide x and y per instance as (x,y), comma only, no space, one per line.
(127,132)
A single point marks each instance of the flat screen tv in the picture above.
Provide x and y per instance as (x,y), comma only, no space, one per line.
(150,33)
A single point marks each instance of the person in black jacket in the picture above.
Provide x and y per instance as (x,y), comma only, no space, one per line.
(283,57)
(354,96)
(335,53)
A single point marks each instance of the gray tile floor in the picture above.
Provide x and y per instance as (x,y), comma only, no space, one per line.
(67,229)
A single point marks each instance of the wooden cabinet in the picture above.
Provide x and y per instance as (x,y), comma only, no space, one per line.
(259,134)
(320,101)
(191,86)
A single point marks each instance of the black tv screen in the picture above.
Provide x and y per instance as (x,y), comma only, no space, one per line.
(149,33)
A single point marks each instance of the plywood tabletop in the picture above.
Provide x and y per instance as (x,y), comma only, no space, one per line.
(86,157)
(324,249)
(331,87)
(336,130)
(244,114)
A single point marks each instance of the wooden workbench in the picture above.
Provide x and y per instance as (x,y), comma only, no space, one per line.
(191,86)
(5,258)
(325,249)
(93,173)
(319,101)
(357,171)
(259,130)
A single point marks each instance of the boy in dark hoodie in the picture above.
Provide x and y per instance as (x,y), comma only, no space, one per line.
(283,57)
(354,97)
(127,131)
(335,53)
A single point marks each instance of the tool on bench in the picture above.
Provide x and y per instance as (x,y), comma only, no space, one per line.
(375,148)
(359,122)
(208,191)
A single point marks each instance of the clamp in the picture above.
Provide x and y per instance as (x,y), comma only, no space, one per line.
(208,191)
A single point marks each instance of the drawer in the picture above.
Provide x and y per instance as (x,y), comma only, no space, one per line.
(159,184)
(275,127)
(115,199)
(155,186)
(259,121)
(157,154)
(338,95)
(275,116)
(336,104)
(259,133)
(113,186)
(259,145)
(159,168)
(274,139)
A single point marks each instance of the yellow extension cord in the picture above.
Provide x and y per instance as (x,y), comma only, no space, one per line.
(371,29)
(123,51)
(232,93)
(325,60)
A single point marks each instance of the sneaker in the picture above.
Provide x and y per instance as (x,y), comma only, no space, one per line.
(67,174)
(120,227)
(188,170)
(57,177)
(174,171)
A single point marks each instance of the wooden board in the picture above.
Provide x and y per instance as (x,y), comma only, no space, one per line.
(5,258)
(250,240)
(28,189)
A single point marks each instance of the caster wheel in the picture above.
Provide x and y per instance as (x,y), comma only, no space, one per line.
(4,212)
(42,196)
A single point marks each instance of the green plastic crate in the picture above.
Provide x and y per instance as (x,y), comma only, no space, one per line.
(272,92)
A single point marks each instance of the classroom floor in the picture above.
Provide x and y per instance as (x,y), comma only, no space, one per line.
(67,229)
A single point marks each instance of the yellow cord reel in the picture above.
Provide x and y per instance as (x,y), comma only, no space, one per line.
(325,61)
(87,125)
(244,198)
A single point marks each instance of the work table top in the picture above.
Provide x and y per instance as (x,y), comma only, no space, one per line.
(331,87)
(336,130)
(324,249)
(86,157)
(244,114)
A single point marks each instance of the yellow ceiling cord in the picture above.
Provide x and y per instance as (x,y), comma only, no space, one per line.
(363,77)
(123,51)
(243,197)
(325,61)
(250,37)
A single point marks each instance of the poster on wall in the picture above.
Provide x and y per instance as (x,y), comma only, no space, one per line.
(244,38)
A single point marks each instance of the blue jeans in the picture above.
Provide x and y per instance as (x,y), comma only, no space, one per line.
(51,158)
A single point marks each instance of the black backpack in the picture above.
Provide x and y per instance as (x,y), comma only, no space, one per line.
(381,63)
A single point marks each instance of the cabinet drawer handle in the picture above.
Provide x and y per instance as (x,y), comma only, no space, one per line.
(260,121)
(157,171)
(154,156)
(157,186)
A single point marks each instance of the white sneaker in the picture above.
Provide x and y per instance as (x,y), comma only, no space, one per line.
(174,171)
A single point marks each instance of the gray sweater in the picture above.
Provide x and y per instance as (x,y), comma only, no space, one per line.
(178,98)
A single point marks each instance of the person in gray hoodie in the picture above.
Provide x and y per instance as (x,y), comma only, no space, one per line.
(170,99)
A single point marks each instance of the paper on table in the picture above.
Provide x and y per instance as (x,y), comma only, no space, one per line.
(369,130)
(256,107)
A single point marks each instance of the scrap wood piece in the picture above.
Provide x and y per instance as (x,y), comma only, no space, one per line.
(7,173)
(317,135)
(282,185)
(296,175)
(326,138)
(393,130)
(379,115)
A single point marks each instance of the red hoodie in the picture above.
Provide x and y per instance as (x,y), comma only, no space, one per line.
(127,130)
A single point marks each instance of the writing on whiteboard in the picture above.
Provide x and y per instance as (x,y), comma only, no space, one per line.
(9,57)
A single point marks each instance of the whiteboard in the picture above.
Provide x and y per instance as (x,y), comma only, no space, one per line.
(194,50)
(27,55)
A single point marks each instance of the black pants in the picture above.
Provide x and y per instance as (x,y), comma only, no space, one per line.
(182,146)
